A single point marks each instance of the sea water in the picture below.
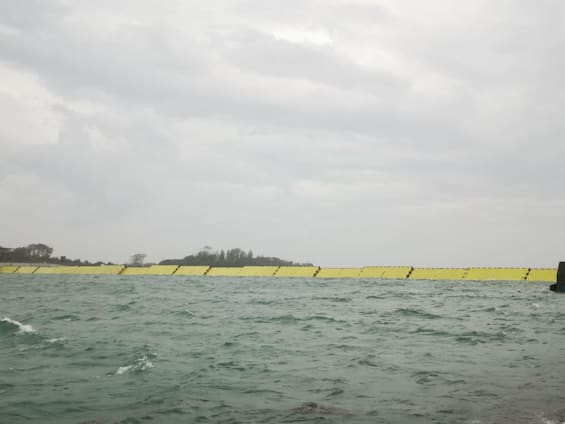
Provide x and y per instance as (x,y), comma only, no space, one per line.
(128,349)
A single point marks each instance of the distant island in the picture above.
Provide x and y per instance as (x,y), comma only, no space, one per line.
(38,253)
(230,257)
(42,253)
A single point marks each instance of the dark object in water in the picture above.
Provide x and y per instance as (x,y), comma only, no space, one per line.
(559,286)
(315,408)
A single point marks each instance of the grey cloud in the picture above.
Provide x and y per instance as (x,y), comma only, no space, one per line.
(318,64)
(148,77)
(29,14)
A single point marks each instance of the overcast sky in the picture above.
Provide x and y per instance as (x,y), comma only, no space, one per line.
(343,133)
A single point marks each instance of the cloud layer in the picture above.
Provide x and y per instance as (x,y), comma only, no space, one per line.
(343,133)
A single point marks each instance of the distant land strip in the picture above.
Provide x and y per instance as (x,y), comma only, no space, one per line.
(367,272)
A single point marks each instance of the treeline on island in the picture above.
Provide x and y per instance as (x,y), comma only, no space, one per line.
(42,253)
(38,253)
(231,257)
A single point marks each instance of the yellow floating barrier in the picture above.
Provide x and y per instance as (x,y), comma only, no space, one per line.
(338,273)
(438,274)
(258,271)
(225,271)
(297,271)
(387,272)
(100,270)
(509,274)
(151,270)
(192,270)
(542,274)
(384,272)
(56,270)
(8,269)
(26,269)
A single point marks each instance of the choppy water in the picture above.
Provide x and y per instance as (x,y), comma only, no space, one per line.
(100,349)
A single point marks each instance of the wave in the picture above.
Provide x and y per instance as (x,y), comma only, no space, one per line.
(140,364)
(466,337)
(28,335)
(554,417)
(261,301)
(10,324)
(367,362)
(416,313)
(431,332)
(334,299)
(184,313)
(322,318)
(290,319)
(68,317)
(56,340)
(125,306)
(476,337)
(430,377)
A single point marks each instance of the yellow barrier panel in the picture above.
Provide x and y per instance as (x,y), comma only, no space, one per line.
(151,270)
(227,271)
(56,270)
(338,273)
(26,270)
(510,274)
(259,271)
(192,270)
(100,270)
(438,274)
(297,271)
(542,274)
(136,270)
(389,272)
(163,269)
(8,269)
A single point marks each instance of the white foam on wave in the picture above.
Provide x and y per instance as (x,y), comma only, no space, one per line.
(22,328)
(123,370)
(55,340)
(549,421)
(140,364)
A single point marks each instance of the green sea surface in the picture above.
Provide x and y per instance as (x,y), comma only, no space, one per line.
(117,349)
